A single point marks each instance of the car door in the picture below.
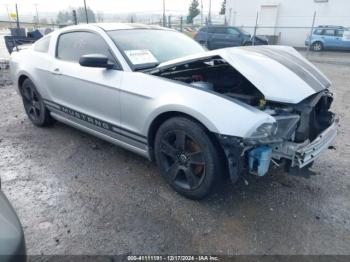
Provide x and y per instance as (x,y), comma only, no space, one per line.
(346,39)
(329,38)
(87,95)
(234,37)
(219,38)
(343,39)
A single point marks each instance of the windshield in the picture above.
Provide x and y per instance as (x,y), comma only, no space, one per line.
(244,31)
(145,48)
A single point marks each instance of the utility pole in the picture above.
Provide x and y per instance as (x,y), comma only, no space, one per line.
(17,19)
(201,12)
(37,15)
(209,14)
(164,17)
(255,27)
(75,20)
(86,13)
(310,36)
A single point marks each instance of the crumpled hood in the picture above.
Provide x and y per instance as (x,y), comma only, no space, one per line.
(279,72)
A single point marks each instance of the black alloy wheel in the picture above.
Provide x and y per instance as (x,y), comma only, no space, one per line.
(183,159)
(187,157)
(34,105)
(31,103)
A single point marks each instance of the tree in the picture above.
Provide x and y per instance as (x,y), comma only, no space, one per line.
(223,8)
(81,15)
(99,17)
(65,16)
(193,11)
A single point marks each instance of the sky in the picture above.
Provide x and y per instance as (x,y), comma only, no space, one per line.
(107,6)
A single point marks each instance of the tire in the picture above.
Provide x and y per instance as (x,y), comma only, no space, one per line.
(34,105)
(208,45)
(317,46)
(187,158)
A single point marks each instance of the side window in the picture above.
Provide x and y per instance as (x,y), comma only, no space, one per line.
(329,32)
(318,32)
(211,30)
(42,45)
(340,33)
(71,46)
(232,31)
(220,30)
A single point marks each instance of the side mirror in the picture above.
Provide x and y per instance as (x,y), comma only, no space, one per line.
(95,60)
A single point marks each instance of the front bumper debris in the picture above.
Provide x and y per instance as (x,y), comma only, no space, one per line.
(301,154)
(233,148)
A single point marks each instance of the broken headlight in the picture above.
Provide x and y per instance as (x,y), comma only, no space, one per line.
(265,130)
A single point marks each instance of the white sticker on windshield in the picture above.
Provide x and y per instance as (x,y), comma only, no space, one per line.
(138,57)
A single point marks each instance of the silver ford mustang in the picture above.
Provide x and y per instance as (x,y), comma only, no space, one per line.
(158,93)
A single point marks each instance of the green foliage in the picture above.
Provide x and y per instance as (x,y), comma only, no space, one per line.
(66,16)
(81,15)
(223,8)
(193,11)
(63,17)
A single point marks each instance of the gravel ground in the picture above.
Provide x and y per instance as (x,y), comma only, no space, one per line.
(76,194)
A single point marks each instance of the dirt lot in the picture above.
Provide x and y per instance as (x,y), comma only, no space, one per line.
(76,194)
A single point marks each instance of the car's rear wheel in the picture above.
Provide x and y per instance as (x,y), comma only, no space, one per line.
(34,105)
(317,46)
(187,157)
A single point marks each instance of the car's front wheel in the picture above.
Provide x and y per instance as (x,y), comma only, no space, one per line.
(34,105)
(317,46)
(187,157)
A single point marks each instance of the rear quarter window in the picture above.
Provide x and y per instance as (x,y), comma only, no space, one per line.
(42,45)
(329,32)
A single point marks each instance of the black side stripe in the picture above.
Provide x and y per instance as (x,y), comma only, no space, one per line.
(96,122)
(292,65)
(305,65)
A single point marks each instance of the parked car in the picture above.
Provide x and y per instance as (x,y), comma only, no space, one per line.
(329,37)
(215,37)
(200,114)
(12,244)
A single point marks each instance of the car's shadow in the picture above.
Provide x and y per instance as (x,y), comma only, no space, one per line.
(248,186)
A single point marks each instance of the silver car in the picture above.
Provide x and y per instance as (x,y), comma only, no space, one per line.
(200,115)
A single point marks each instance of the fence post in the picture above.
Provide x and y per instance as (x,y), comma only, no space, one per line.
(310,36)
(206,34)
(17,19)
(181,24)
(256,25)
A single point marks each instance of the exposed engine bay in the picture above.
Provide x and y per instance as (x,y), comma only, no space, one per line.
(215,75)
(297,125)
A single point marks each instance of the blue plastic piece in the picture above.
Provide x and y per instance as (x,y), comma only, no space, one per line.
(259,160)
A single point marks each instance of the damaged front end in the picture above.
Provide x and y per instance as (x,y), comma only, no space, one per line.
(302,132)
(277,81)
(299,135)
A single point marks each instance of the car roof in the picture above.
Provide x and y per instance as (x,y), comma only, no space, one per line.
(115,26)
(215,26)
(329,27)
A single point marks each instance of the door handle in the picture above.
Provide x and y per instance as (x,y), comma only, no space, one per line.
(56,71)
